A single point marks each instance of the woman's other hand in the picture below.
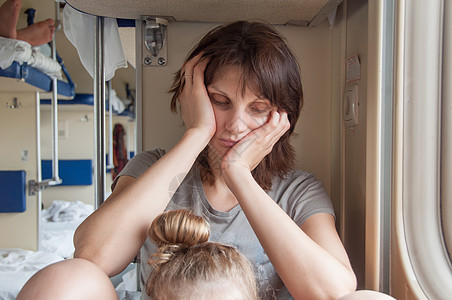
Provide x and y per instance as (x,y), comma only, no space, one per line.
(197,112)
(252,149)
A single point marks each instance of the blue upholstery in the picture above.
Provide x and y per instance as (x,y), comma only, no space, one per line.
(72,172)
(37,78)
(13,188)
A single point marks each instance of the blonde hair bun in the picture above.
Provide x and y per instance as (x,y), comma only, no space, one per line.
(176,229)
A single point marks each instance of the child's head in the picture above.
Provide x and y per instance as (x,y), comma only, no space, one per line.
(187,266)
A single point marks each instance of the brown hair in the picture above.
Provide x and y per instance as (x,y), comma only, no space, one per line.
(187,266)
(269,69)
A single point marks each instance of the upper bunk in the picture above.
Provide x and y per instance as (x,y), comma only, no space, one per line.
(295,12)
(37,66)
(14,77)
(24,68)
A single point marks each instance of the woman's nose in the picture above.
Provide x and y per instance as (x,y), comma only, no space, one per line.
(236,122)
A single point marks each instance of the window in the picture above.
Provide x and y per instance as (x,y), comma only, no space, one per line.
(423,144)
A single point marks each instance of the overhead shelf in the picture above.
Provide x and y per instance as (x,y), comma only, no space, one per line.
(36,80)
(278,12)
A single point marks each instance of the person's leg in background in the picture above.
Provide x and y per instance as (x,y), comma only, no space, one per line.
(36,34)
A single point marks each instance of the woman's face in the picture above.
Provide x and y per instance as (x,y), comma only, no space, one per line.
(236,113)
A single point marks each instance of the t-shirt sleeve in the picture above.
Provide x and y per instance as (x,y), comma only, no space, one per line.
(301,195)
(138,164)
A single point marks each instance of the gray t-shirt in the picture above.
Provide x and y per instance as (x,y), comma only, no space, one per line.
(300,195)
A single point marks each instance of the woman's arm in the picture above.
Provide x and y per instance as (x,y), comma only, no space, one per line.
(112,236)
(310,260)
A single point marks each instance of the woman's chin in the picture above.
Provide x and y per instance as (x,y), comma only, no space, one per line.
(217,151)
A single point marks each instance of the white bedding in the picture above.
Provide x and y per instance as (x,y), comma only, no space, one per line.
(17,266)
(16,50)
(59,222)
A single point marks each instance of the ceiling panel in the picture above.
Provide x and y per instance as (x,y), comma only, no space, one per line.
(299,12)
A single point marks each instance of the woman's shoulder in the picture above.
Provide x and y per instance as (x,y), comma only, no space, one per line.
(301,195)
(295,176)
(140,162)
(297,182)
(149,155)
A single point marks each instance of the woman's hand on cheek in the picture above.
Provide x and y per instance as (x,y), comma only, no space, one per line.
(250,151)
(195,105)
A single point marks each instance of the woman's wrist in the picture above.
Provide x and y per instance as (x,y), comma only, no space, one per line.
(236,174)
(200,137)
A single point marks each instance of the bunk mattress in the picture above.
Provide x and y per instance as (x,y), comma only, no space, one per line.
(21,61)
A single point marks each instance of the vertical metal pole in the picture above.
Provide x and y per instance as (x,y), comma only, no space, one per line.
(110,128)
(55,121)
(386,158)
(38,164)
(57,15)
(139,24)
(99,114)
(130,130)
(139,40)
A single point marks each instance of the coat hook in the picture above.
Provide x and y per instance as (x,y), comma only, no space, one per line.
(155,41)
(15,104)
(84,119)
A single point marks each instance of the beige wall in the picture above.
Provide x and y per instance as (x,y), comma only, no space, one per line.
(355,144)
(361,33)
(313,141)
(77,143)
(312,47)
(19,230)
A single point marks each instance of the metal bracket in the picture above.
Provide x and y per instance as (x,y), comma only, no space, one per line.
(155,48)
(15,104)
(34,186)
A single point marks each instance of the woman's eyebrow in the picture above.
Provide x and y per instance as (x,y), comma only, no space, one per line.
(257,99)
(217,89)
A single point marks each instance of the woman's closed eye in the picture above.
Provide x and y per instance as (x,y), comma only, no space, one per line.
(260,108)
(220,101)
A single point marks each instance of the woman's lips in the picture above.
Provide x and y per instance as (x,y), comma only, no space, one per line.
(227,142)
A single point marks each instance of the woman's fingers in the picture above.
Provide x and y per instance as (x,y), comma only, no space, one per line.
(258,143)
(198,72)
(187,71)
(277,126)
(194,101)
(269,133)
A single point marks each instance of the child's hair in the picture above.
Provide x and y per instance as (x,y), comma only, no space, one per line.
(187,266)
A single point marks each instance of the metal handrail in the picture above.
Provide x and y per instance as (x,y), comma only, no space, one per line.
(36,186)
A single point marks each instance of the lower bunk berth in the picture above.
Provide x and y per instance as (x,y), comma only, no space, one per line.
(58,222)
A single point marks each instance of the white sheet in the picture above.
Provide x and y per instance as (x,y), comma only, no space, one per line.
(61,210)
(79,30)
(116,102)
(59,222)
(15,50)
(127,288)
(17,266)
